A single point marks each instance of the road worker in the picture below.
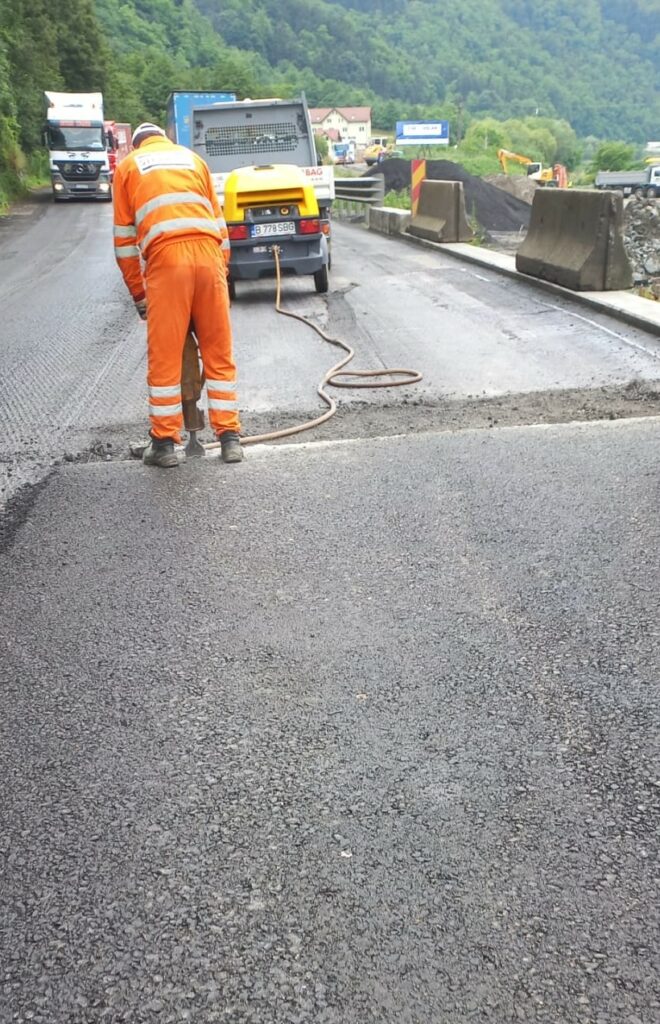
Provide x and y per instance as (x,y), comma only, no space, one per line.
(172,248)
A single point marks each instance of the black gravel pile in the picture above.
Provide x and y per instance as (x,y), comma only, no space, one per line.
(494,209)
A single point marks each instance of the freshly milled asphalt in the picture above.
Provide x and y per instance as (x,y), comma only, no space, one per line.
(351,733)
(72,356)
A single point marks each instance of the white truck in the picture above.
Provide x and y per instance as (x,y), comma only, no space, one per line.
(259,132)
(77,146)
(636,183)
(274,190)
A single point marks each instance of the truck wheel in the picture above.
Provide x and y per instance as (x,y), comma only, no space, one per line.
(639,192)
(652,193)
(321,280)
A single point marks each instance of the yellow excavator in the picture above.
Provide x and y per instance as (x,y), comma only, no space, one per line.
(551,177)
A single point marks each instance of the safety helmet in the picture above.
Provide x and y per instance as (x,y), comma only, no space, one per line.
(144,130)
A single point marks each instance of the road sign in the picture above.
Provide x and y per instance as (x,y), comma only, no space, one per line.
(422,133)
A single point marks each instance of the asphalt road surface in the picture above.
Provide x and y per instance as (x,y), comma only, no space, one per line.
(72,359)
(362,730)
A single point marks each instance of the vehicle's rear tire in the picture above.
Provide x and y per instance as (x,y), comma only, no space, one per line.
(321,281)
(639,192)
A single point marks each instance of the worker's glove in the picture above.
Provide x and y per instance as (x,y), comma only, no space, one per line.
(141,306)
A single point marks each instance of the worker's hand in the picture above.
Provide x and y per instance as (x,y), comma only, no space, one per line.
(141,306)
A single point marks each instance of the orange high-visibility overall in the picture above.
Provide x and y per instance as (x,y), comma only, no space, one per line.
(171,245)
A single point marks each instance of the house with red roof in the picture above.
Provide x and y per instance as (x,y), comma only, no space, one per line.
(343,124)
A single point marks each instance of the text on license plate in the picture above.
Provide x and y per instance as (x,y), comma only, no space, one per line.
(285,227)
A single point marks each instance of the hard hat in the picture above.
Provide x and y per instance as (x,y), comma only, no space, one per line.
(144,130)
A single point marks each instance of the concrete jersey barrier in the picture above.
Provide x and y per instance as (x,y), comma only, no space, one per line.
(575,239)
(387,220)
(441,215)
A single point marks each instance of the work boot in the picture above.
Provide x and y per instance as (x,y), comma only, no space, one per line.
(230,446)
(160,452)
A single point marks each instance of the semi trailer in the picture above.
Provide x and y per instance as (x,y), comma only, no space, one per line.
(180,106)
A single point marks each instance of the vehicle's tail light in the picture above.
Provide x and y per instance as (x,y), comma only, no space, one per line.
(309,226)
(237,232)
(325,227)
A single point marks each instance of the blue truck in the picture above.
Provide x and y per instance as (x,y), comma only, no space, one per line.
(180,106)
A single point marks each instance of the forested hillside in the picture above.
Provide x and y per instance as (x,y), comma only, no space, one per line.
(595,63)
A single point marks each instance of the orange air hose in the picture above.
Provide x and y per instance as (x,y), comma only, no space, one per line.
(331,378)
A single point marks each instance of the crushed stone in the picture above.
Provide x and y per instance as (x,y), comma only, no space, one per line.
(641,238)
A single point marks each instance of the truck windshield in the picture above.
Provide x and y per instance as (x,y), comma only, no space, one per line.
(65,137)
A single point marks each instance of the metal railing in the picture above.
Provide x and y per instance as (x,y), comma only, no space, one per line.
(352,195)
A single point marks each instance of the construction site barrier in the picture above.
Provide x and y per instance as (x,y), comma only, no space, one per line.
(575,239)
(417,176)
(440,214)
(387,220)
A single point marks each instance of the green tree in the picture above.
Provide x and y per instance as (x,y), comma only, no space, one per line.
(613,156)
(322,147)
(82,52)
(485,134)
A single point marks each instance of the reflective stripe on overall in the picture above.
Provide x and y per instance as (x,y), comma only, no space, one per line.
(186,280)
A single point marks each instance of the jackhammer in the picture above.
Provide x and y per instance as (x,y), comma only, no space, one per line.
(192,382)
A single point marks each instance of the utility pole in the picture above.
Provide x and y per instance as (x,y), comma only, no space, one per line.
(459,120)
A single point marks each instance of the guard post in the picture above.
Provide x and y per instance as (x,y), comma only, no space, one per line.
(417,175)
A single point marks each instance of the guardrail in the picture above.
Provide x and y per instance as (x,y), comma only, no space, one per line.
(353,195)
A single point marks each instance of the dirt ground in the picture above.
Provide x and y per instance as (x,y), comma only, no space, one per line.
(518,185)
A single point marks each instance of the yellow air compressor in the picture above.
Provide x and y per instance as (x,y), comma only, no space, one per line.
(274,206)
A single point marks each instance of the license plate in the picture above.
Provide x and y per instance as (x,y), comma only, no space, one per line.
(285,227)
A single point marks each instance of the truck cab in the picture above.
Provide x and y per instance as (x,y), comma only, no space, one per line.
(342,153)
(77,145)
(653,182)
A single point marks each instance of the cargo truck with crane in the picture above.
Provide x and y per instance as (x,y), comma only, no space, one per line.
(265,169)
(78,146)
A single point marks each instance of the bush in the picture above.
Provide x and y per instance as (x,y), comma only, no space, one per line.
(10,188)
(398,200)
(20,174)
